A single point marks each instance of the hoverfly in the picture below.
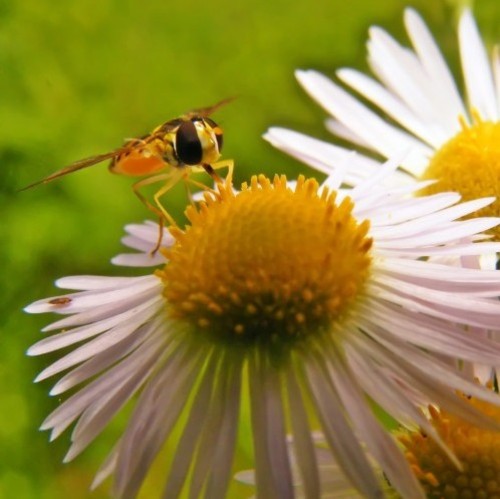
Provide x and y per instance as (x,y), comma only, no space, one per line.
(171,152)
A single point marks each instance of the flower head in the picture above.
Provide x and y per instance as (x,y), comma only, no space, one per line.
(317,298)
(450,139)
(477,449)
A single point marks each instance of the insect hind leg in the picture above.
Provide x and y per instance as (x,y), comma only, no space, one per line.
(170,179)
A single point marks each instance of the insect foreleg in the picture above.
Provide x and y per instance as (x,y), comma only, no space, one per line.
(229,164)
(210,169)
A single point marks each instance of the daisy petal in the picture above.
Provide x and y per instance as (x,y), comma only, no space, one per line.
(476,67)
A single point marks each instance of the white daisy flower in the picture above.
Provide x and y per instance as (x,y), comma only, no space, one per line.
(418,109)
(306,300)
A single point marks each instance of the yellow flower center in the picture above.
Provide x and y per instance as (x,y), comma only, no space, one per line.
(268,265)
(478,451)
(469,163)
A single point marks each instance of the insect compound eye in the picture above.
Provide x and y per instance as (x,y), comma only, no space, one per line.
(187,144)
(217,131)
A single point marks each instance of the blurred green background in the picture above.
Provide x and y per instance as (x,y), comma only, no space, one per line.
(78,77)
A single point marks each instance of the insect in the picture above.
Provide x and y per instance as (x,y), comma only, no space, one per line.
(63,300)
(171,152)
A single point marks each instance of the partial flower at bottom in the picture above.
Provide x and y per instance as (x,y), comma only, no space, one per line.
(310,302)
(334,483)
(477,451)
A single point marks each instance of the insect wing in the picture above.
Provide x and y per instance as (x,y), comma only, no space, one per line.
(207,111)
(78,165)
(160,131)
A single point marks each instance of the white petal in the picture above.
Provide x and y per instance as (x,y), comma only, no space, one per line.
(321,155)
(402,72)
(436,379)
(434,335)
(496,73)
(136,347)
(304,449)
(133,287)
(202,409)
(154,417)
(378,441)
(224,450)
(446,91)
(382,137)
(486,282)
(465,310)
(391,393)
(138,260)
(430,133)
(340,130)
(406,215)
(386,170)
(428,366)
(90,282)
(341,439)
(73,407)
(274,478)
(432,212)
(67,338)
(105,311)
(147,232)
(106,468)
(476,69)
(112,337)
(97,416)
(98,291)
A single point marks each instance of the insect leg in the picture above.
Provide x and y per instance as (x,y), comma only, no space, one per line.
(161,226)
(229,164)
(201,186)
(210,169)
(146,181)
(170,179)
(188,190)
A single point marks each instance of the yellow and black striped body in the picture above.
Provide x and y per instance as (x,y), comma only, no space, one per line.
(177,143)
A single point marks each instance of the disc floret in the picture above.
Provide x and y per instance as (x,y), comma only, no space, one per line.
(270,264)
